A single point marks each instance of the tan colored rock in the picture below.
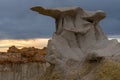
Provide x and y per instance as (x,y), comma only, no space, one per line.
(10,57)
(31,51)
(13,49)
(24,55)
(38,57)
(28,52)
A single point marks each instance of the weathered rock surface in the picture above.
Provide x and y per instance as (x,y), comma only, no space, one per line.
(21,71)
(24,55)
(79,50)
(22,64)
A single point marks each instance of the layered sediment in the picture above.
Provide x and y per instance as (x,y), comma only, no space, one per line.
(22,64)
(24,55)
(22,71)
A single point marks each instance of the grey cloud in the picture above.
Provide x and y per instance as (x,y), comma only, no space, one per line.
(17,21)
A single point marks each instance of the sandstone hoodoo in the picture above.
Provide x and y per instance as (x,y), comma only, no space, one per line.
(79,49)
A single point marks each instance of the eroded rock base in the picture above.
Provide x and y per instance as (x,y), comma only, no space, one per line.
(18,71)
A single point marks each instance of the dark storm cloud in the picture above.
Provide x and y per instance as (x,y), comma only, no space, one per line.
(17,21)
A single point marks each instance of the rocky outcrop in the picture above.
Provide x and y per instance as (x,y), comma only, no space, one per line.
(79,50)
(24,55)
(13,49)
(22,64)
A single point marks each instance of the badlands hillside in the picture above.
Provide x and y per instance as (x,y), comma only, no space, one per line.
(23,55)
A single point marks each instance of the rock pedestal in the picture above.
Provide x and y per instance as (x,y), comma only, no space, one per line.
(79,50)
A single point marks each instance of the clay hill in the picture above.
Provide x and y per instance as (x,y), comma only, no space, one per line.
(24,55)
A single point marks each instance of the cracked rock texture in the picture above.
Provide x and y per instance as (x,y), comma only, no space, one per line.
(79,49)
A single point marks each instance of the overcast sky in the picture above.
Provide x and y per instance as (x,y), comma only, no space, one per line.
(17,21)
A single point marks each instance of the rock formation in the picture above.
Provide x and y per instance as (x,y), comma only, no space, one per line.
(24,55)
(22,71)
(79,50)
(22,64)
